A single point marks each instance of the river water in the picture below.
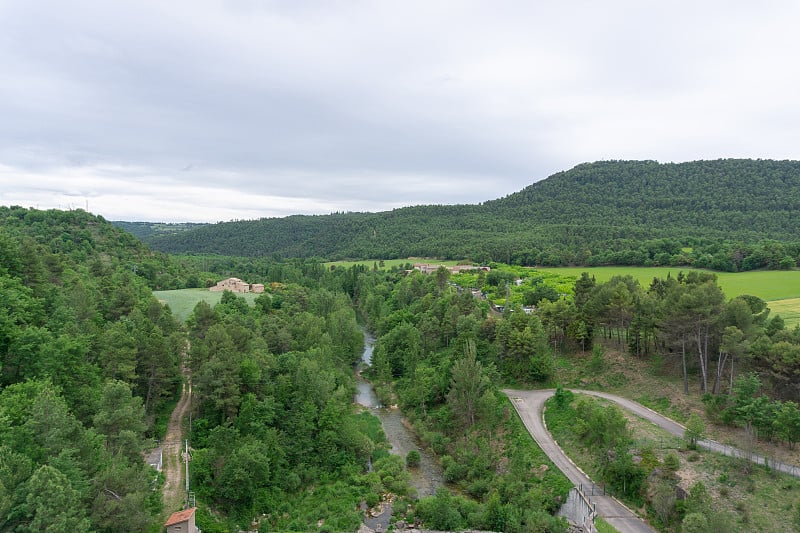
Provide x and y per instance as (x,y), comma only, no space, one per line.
(428,476)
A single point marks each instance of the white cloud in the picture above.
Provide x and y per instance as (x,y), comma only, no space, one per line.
(312,107)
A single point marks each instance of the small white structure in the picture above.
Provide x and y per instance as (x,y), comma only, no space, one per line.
(156,459)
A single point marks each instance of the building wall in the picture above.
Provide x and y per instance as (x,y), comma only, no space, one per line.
(231,284)
(187,526)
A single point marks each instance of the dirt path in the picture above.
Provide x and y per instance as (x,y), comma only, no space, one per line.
(175,485)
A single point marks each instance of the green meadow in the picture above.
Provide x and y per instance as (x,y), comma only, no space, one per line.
(789,310)
(389,263)
(766,284)
(780,288)
(182,302)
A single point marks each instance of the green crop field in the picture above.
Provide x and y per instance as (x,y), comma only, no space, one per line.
(389,263)
(789,309)
(766,284)
(780,288)
(182,302)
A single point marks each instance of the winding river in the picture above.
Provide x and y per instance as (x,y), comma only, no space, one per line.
(428,476)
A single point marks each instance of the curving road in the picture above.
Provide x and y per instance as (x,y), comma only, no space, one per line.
(530,404)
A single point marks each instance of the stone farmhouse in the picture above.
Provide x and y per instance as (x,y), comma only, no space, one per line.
(237,285)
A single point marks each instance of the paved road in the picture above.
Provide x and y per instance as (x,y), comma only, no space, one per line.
(677,429)
(529,405)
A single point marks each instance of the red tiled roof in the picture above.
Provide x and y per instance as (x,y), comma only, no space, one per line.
(180,516)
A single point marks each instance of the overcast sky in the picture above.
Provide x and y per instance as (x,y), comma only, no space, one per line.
(196,110)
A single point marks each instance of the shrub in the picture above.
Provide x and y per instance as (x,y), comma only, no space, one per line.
(672,462)
(371,499)
(662,500)
(598,361)
(562,397)
(455,471)
(440,511)
(695,523)
(412,459)
(478,488)
(695,428)
(541,368)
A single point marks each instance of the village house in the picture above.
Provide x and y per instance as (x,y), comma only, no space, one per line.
(237,285)
(182,522)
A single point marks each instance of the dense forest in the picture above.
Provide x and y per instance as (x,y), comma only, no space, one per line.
(89,361)
(276,435)
(727,215)
(442,351)
(92,363)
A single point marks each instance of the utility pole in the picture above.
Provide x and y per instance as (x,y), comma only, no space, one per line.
(186,460)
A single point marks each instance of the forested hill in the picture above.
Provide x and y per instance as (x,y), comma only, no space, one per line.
(723,214)
(88,359)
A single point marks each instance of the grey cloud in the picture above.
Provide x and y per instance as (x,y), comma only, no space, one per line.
(323,106)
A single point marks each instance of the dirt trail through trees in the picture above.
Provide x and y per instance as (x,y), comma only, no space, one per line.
(175,485)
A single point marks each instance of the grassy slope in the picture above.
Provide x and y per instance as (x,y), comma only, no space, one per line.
(758,500)
(765,499)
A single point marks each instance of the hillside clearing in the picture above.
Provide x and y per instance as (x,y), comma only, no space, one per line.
(183,301)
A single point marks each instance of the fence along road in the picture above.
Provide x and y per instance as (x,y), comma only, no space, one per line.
(529,405)
(677,429)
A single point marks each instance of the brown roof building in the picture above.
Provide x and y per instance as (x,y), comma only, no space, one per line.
(182,522)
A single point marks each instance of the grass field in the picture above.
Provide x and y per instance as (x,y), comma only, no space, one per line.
(789,310)
(389,263)
(766,284)
(182,302)
(780,288)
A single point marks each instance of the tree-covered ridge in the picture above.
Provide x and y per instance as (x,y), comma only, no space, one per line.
(47,240)
(727,214)
(88,359)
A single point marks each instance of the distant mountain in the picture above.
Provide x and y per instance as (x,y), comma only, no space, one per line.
(728,214)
